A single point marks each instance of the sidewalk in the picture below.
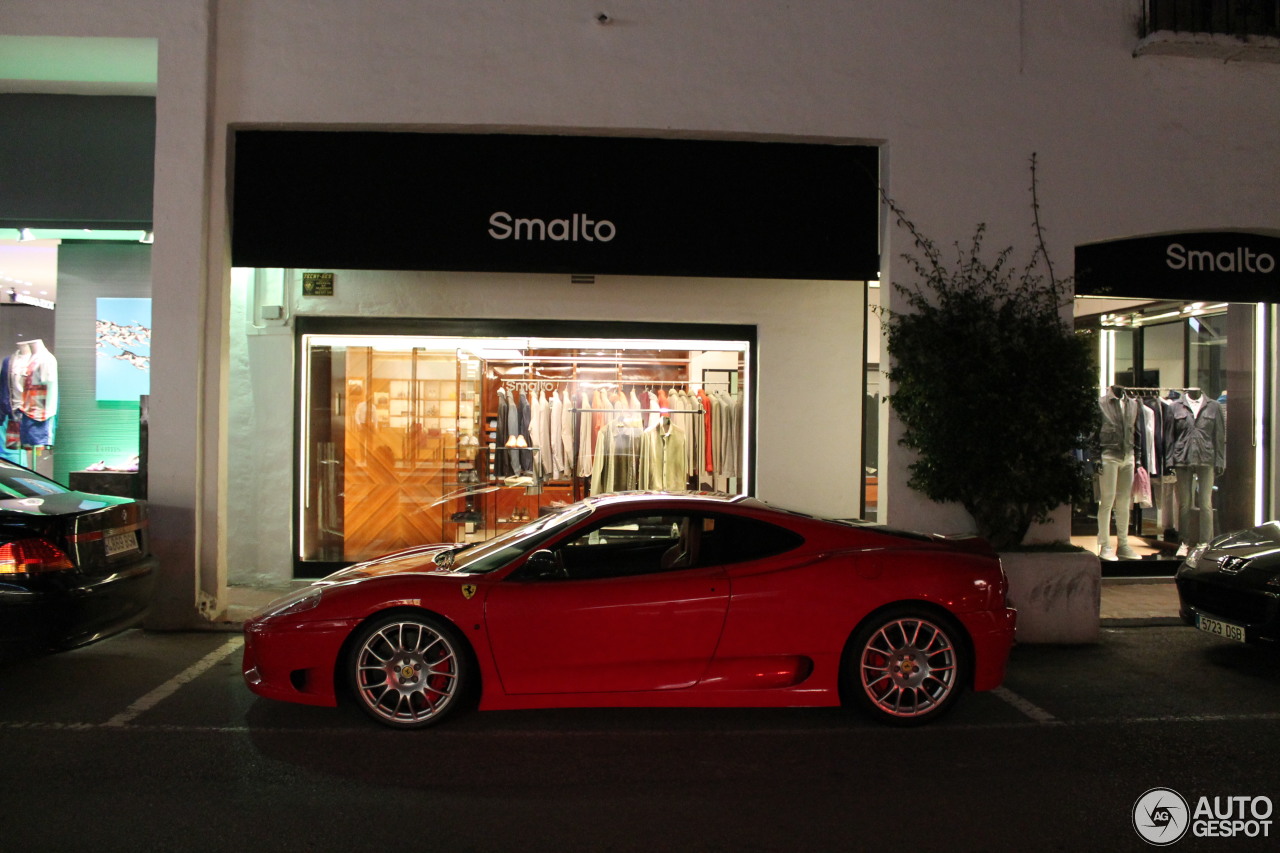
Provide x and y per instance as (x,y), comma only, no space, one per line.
(1139,601)
(1125,602)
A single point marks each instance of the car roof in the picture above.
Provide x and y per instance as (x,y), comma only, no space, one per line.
(711,500)
(642,498)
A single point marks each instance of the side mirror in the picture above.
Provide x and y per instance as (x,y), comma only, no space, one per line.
(542,565)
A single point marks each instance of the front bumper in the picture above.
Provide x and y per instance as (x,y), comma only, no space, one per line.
(293,661)
(1236,600)
(1254,632)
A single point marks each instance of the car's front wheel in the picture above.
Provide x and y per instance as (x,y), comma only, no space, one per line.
(408,670)
(906,666)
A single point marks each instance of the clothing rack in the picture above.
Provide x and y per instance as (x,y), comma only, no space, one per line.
(1151,389)
(668,411)
(577,433)
(542,382)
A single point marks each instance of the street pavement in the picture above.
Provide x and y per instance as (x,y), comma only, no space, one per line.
(150,741)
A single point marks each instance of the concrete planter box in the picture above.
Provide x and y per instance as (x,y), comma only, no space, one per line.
(1058,595)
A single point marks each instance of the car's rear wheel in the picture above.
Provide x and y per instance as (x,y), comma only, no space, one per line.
(906,666)
(408,670)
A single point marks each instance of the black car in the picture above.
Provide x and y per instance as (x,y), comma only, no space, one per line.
(1231,587)
(74,567)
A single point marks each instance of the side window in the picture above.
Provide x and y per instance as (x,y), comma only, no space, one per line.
(631,545)
(731,539)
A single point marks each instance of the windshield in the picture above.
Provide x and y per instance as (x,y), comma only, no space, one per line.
(497,552)
(18,482)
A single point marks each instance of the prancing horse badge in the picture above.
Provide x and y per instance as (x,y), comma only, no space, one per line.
(468,590)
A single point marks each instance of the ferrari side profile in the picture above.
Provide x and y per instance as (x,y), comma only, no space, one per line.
(647,600)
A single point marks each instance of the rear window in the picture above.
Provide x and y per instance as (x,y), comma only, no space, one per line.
(18,482)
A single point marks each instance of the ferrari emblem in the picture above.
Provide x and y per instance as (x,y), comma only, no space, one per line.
(468,590)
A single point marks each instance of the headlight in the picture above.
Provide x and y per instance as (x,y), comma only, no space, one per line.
(298,602)
(1193,559)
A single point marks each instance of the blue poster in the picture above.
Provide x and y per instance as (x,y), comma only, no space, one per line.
(124,348)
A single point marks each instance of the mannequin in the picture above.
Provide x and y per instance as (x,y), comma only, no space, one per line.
(33,392)
(1198,454)
(1115,480)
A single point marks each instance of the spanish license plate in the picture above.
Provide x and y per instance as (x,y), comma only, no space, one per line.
(121,543)
(1220,629)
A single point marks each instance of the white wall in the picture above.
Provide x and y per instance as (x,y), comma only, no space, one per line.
(809,403)
(960,94)
(186,312)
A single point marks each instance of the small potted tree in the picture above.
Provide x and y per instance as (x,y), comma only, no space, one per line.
(994,392)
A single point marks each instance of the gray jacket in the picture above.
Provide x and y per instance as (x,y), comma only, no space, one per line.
(1119,418)
(1197,439)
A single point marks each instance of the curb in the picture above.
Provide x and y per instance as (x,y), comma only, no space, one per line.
(1143,622)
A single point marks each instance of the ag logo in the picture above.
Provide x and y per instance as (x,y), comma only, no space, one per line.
(1161,816)
(468,590)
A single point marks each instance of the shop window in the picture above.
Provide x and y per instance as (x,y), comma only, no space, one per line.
(1169,365)
(412,439)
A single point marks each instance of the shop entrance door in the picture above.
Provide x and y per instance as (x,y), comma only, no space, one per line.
(377,445)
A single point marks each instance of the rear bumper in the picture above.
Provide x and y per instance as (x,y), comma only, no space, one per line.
(992,633)
(53,613)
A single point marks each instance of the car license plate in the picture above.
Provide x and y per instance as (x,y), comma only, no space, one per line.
(121,543)
(1220,629)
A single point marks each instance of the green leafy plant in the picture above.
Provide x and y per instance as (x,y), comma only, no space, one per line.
(993,388)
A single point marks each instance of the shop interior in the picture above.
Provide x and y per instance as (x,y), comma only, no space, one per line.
(425,439)
(1160,356)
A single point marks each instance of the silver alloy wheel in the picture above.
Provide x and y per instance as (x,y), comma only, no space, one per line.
(908,667)
(407,672)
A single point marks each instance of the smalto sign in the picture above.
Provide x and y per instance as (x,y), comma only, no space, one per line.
(579,226)
(1228,266)
(1243,259)
(526,203)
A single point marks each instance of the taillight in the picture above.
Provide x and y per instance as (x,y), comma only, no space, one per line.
(29,556)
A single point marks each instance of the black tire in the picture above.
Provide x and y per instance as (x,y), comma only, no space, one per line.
(906,665)
(408,670)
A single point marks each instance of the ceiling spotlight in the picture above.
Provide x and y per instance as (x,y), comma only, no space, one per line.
(25,235)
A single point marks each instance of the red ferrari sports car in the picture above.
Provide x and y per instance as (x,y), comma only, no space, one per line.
(653,600)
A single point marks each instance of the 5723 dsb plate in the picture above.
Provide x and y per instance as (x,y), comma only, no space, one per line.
(1219,628)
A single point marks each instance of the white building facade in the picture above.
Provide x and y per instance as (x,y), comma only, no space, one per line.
(1132,138)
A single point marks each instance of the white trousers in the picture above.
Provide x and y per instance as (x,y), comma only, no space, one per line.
(1202,488)
(1115,491)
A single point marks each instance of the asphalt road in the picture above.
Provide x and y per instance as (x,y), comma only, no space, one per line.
(151,742)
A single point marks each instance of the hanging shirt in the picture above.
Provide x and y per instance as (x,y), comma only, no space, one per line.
(615,467)
(525,417)
(555,437)
(662,457)
(536,438)
(708,443)
(586,435)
